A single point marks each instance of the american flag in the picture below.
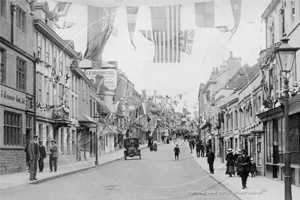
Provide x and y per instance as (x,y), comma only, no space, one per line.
(165,33)
(186,41)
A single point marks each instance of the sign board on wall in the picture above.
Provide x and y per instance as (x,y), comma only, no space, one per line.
(110,76)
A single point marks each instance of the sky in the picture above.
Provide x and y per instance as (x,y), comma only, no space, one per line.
(210,48)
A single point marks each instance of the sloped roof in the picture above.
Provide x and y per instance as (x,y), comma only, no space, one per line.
(252,73)
(238,76)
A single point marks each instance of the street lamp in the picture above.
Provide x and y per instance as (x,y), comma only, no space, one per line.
(97,116)
(285,58)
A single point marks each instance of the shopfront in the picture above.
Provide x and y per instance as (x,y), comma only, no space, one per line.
(273,125)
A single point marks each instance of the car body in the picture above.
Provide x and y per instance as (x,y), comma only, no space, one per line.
(132,148)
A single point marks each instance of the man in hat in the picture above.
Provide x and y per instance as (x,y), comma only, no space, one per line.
(42,150)
(243,162)
(210,160)
(53,156)
(34,154)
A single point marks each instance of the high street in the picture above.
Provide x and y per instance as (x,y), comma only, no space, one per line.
(156,176)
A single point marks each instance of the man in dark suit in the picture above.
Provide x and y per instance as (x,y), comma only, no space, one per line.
(243,163)
(42,150)
(34,154)
(53,156)
(210,160)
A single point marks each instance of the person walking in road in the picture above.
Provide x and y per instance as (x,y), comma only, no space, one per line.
(34,154)
(177,152)
(230,162)
(198,148)
(210,160)
(53,156)
(253,169)
(201,149)
(42,150)
(243,161)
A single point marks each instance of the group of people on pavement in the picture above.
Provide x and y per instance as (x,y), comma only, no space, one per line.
(241,164)
(36,153)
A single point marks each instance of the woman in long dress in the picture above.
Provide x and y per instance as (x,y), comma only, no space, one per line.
(230,162)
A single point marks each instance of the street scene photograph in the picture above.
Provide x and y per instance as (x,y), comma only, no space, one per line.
(149,99)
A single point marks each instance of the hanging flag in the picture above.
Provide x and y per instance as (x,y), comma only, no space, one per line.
(186,41)
(165,33)
(100,22)
(236,11)
(205,14)
(131,21)
(61,9)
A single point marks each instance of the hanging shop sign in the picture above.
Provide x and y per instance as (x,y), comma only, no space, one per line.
(110,76)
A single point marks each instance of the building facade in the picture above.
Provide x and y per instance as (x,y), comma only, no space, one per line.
(17,83)
(54,57)
(282,18)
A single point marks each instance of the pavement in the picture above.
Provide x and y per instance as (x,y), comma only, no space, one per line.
(258,188)
(22,178)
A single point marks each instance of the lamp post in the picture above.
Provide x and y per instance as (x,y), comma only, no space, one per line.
(97,116)
(285,58)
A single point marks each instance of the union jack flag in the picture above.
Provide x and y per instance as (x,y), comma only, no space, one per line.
(186,41)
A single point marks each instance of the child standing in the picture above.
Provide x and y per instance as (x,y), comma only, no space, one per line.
(176,151)
(253,168)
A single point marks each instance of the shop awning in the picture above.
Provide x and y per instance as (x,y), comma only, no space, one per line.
(85,120)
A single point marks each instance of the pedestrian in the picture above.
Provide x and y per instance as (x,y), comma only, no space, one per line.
(155,145)
(34,154)
(243,161)
(198,148)
(42,150)
(210,160)
(27,156)
(177,152)
(253,169)
(201,149)
(230,163)
(191,144)
(53,156)
(236,155)
(208,146)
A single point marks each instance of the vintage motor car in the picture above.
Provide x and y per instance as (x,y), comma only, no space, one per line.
(132,148)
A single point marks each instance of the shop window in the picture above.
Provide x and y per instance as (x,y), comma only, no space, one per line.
(21,74)
(12,129)
(280,141)
(21,19)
